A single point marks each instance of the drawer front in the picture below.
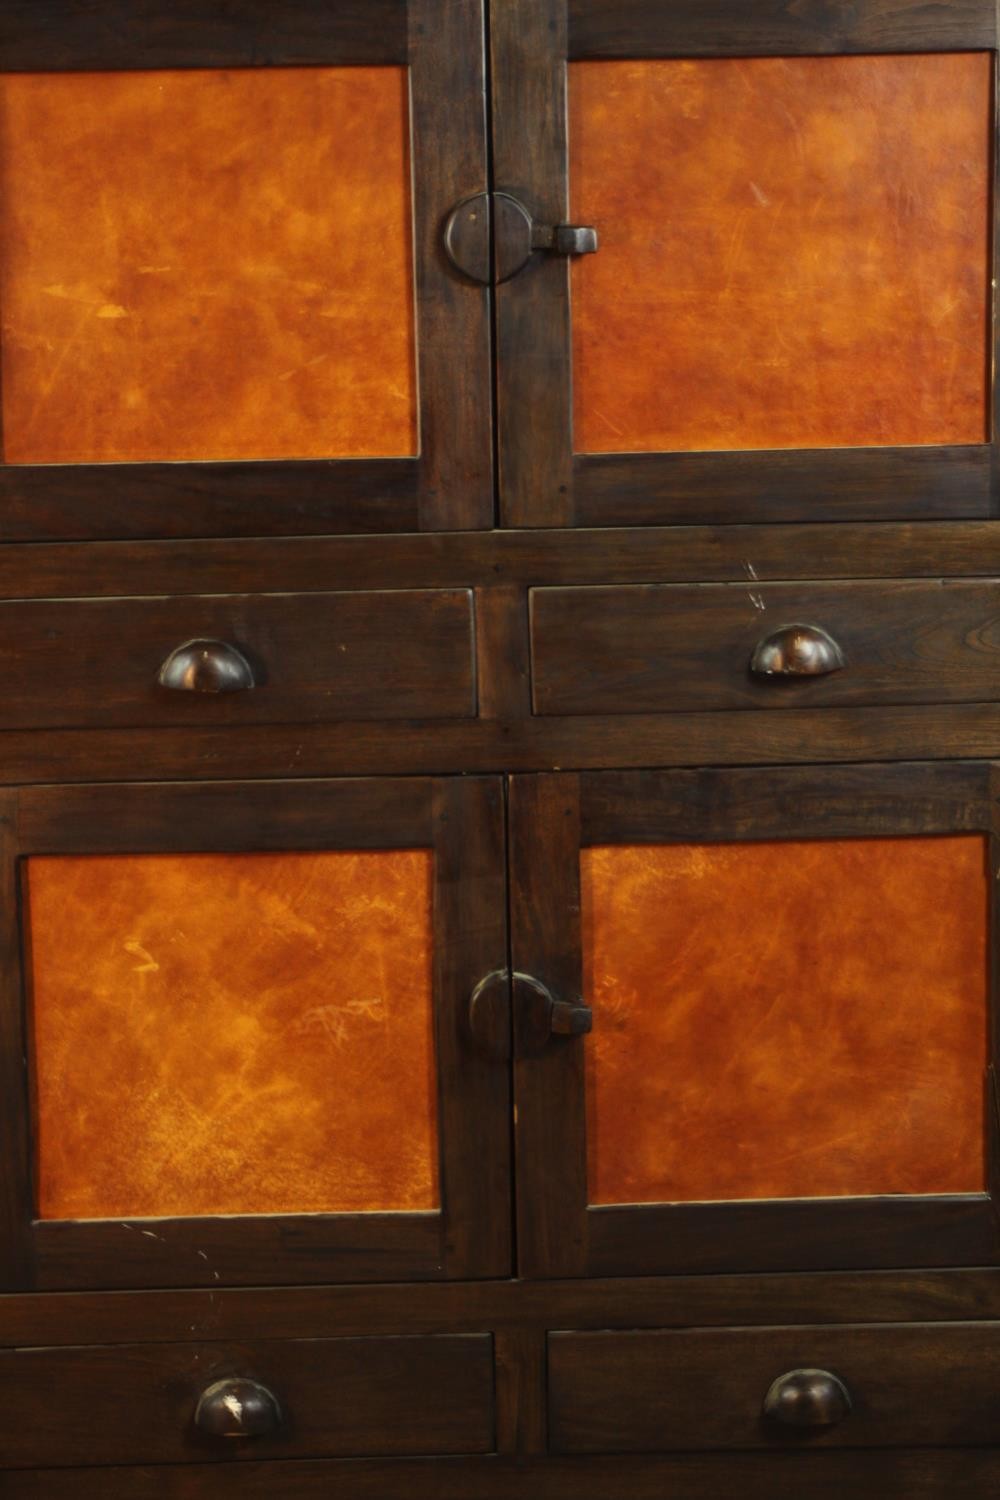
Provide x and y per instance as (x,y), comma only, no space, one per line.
(660,648)
(334,1398)
(95,662)
(935,1384)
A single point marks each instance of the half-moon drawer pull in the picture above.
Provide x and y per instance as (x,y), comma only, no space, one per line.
(237,1408)
(797,651)
(207,667)
(807,1399)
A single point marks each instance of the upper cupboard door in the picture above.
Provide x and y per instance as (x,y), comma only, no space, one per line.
(226,308)
(787,975)
(789,312)
(245,1014)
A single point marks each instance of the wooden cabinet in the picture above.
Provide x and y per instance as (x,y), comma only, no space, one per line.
(499,749)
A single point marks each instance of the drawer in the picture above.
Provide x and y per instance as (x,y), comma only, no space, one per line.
(660,648)
(351,1397)
(370,655)
(928,1384)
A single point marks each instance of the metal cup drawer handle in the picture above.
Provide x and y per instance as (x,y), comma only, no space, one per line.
(797,651)
(807,1399)
(204,666)
(237,1408)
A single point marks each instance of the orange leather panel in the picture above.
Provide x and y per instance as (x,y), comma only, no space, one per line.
(206,265)
(785,1020)
(794,251)
(223,1034)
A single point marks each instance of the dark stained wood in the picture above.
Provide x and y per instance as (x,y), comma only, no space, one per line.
(550,1132)
(275,1250)
(448,116)
(16,1185)
(515,1308)
(991,1082)
(470,928)
(642,1392)
(650,649)
(423,747)
(520,1390)
(77,502)
(148,819)
(394,654)
(135,1403)
(81,35)
(920,1474)
(503,559)
(532,311)
(848,484)
(807,1234)
(727,28)
(503,668)
(993,350)
(798,802)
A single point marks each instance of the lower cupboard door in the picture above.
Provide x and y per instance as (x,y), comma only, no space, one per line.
(234,1041)
(753,1019)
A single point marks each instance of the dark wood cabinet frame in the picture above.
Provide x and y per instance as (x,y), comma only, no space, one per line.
(462,821)
(242,528)
(450,485)
(552,818)
(542,481)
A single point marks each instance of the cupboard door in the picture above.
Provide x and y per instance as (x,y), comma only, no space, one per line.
(226,305)
(789,312)
(244,1012)
(787,975)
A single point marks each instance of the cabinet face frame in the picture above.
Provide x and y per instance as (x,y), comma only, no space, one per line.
(554,816)
(449,486)
(461,820)
(542,481)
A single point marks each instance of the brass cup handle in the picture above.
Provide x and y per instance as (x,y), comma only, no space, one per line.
(205,666)
(237,1408)
(797,651)
(807,1399)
